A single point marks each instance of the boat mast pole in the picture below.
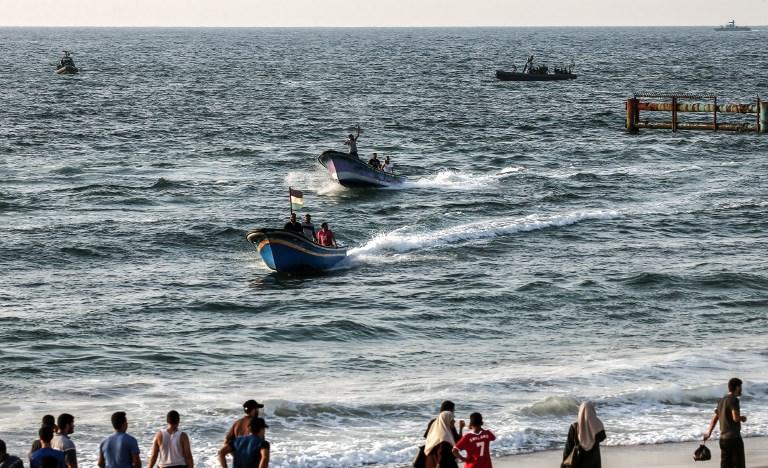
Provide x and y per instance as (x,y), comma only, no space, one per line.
(290,202)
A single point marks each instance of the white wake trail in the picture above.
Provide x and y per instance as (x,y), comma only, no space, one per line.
(406,239)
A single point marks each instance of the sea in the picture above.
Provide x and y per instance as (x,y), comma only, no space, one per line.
(537,256)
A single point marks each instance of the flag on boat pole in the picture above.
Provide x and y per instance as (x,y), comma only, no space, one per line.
(297,199)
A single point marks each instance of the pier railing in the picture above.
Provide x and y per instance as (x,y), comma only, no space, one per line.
(756,113)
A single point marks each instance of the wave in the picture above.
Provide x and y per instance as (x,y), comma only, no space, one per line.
(406,240)
(552,406)
(723,280)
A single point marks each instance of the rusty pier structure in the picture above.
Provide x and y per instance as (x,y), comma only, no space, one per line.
(752,117)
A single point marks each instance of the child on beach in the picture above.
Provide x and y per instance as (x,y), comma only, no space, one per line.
(476,444)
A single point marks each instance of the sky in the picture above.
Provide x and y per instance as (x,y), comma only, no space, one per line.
(343,13)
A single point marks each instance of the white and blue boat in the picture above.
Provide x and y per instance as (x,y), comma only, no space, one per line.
(289,252)
(350,171)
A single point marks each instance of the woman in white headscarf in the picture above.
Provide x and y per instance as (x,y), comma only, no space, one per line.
(440,440)
(587,432)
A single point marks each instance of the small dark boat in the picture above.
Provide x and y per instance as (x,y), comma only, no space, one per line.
(517,76)
(285,251)
(351,171)
(66,65)
(540,73)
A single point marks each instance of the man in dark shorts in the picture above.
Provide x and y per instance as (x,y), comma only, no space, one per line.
(251,451)
(294,226)
(241,427)
(8,461)
(728,412)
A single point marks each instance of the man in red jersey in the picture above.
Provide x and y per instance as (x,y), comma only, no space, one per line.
(476,443)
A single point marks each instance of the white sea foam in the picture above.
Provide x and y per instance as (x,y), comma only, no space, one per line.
(317,181)
(455,180)
(408,239)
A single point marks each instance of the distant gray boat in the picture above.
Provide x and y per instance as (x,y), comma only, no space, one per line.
(731,26)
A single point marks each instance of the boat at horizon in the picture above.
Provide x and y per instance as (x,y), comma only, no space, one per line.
(350,171)
(537,73)
(66,65)
(289,252)
(731,26)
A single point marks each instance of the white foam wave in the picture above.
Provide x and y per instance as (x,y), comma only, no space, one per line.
(405,239)
(456,180)
(316,181)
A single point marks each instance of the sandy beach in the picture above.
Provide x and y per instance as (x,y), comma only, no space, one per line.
(662,455)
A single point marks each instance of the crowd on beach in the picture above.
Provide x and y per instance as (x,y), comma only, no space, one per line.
(444,447)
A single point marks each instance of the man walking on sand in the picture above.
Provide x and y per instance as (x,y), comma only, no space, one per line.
(728,412)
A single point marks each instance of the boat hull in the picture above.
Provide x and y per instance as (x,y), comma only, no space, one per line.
(350,171)
(288,252)
(67,70)
(516,76)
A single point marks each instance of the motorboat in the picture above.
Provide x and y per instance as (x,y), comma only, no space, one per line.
(66,65)
(537,73)
(350,171)
(290,252)
(518,76)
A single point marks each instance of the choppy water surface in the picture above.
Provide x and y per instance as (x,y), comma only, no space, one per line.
(538,256)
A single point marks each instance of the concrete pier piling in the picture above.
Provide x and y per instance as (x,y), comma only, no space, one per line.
(678,104)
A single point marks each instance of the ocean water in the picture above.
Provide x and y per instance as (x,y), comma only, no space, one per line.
(538,255)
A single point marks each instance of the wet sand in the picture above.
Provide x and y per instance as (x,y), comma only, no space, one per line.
(677,455)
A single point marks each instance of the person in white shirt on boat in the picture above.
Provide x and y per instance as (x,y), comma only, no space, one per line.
(389,166)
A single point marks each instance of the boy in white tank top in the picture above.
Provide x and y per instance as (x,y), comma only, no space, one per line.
(170,448)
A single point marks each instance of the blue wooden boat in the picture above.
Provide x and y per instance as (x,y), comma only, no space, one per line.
(285,251)
(350,171)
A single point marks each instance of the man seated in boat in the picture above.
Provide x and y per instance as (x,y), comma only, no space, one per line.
(388,165)
(294,226)
(374,162)
(325,236)
(352,143)
(308,228)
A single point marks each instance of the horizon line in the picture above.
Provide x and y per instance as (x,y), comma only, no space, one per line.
(371,26)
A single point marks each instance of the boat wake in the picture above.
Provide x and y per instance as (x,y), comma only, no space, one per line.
(409,239)
(455,180)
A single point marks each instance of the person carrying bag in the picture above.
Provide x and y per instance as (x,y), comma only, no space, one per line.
(582,448)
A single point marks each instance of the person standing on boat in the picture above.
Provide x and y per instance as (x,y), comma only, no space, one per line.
(325,236)
(352,142)
(294,226)
(309,228)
